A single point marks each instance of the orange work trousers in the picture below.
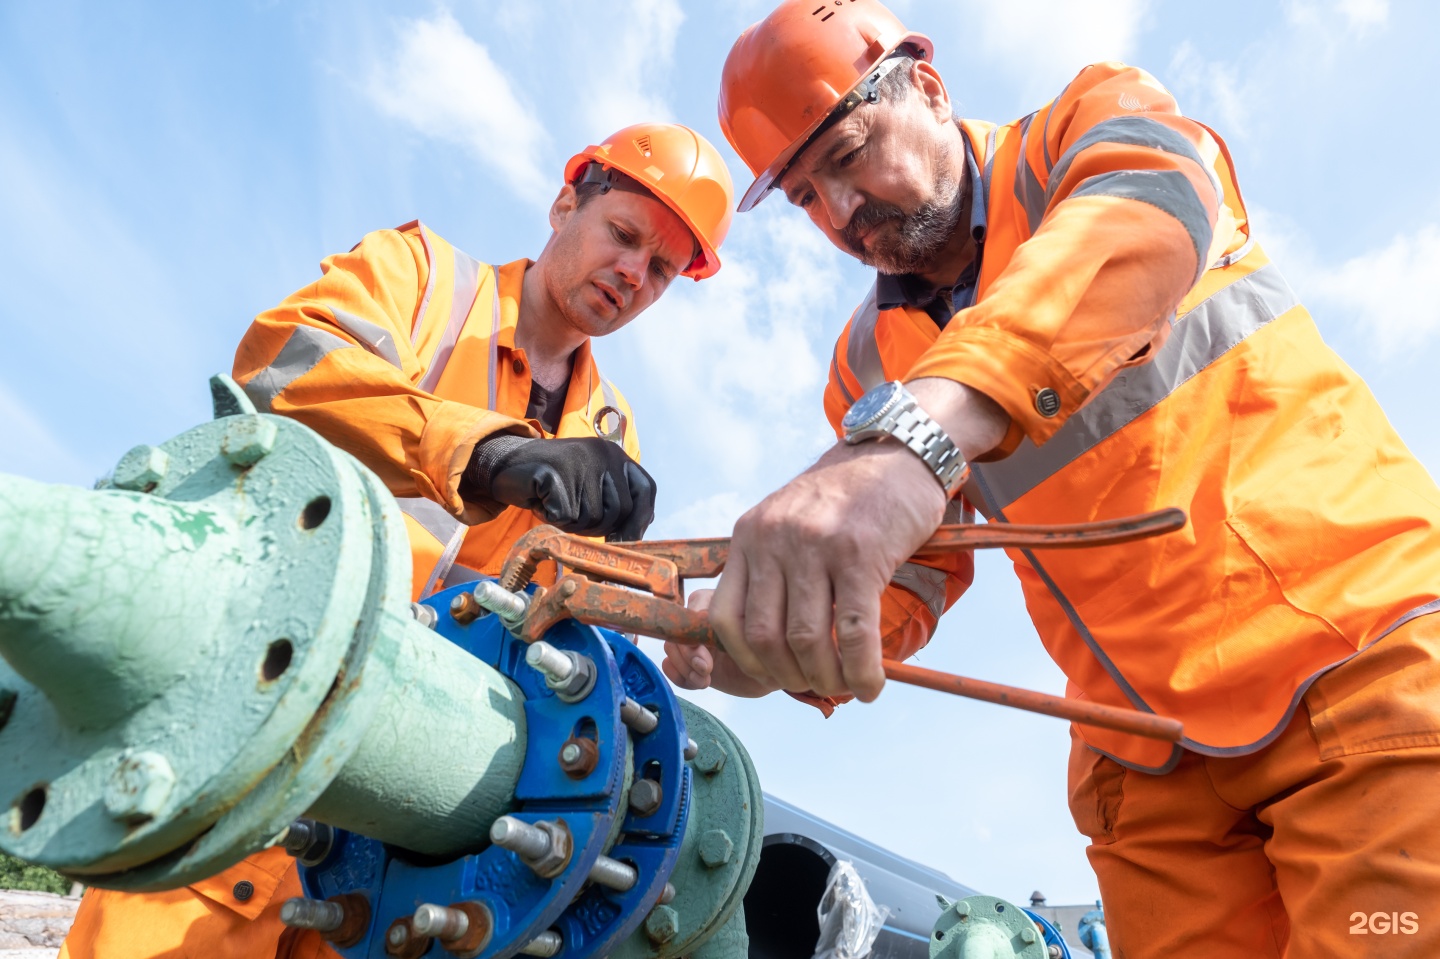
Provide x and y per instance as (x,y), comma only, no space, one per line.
(1324,844)
(232,915)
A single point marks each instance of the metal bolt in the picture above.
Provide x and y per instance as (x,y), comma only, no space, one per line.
(662,925)
(442,922)
(568,587)
(691,750)
(309,841)
(141,469)
(318,914)
(637,717)
(464,610)
(716,848)
(544,945)
(510,607)
(962,909)
(570,675)
(248,440)
(578,757)
(1054,952)
(1027,935)
(613,874)
(543,846)
(138,787)
(710,758)
(645,797)
(424,615)
(667,894)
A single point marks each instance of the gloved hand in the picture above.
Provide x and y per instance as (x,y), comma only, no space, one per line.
(587,485)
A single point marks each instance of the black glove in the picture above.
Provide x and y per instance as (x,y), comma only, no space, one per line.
(586,486)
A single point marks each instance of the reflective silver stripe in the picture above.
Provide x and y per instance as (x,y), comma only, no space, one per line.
(1199,338)
(374,338)
(429,285)
(1236,256)
(863,352)
(925,582)
(439,524)
(494,335)
(306,347)
(835,372)
(467,284)
(1168,190)
(1131,131)
(1027,188)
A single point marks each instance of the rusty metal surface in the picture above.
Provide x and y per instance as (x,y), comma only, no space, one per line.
(660,566)
(1133,721)
(605,561)
(704,558)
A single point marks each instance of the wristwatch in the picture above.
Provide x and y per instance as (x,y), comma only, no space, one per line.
(891,410)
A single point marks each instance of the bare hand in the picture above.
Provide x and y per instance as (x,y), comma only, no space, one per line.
(698,667)
(798,605)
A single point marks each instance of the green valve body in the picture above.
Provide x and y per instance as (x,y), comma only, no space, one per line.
(194,660)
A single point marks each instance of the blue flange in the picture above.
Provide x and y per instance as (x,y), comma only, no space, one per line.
(592,920)
(1051,934)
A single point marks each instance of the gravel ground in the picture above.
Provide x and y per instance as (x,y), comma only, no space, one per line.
(32,924)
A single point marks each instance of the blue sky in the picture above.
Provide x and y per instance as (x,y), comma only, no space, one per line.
(169,170)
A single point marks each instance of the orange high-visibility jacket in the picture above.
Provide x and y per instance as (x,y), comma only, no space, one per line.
(403,354)
(1150,355)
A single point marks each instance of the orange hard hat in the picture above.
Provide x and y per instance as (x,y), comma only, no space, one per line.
(684,172)
(786,75)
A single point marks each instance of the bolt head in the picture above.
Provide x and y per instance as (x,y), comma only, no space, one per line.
(1027,935)
(716,848)
(645,797)
(570,753)
(962,909)
(141,469)
(138,787)
(662,925)
(248,440)
(710,758)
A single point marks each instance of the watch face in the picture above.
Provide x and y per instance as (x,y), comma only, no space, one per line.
(869,407)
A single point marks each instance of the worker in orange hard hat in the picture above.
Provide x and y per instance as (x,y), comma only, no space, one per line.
(1071,321)
(471,390)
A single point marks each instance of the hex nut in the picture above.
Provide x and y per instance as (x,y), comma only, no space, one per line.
(662,925)
(578,757)
(141,469)
(1027,935)
(645,797)
(465,610)
(138,787)
(248,440)
(710,758)
(716,848)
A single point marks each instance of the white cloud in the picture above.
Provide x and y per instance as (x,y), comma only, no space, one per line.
(1216,84)
(1043,43)
(627,76)
(443,83)
(1389,292)
(1341,15)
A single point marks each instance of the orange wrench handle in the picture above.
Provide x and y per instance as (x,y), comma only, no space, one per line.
(1078,711)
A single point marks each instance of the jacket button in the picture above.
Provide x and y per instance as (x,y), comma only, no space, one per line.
(1047,402)
(518,366)
(244,889)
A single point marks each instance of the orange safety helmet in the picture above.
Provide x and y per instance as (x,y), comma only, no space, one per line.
(684,172)
(786,75)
